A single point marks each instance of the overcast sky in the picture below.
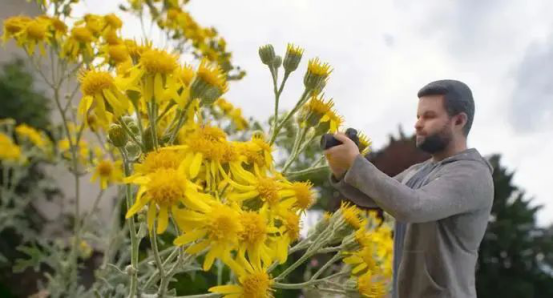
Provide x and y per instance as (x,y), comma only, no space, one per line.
(383,52)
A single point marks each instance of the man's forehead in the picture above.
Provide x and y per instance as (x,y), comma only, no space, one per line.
(433,102)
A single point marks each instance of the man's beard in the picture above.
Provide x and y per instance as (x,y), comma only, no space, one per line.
(436,142)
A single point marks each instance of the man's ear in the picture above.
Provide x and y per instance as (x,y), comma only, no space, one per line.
(461,119)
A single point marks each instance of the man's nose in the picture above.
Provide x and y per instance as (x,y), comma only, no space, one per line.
(418,125)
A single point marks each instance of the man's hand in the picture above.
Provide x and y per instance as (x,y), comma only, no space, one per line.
(341,157)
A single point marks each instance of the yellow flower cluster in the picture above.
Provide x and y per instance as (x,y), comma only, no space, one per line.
(235,114)
(10,152)
(371,260)
(28,143)
(183,28)
(72,44)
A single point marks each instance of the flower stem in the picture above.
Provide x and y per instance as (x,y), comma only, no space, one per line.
(329,263)
(300,103)
(132,229)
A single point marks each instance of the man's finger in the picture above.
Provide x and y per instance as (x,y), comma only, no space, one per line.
(342,137)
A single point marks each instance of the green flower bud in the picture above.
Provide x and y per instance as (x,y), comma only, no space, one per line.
(350,244)
(292,58)
(207,93)
(147,140)
(133,151)
(277,62)
(267,54)
(117,135)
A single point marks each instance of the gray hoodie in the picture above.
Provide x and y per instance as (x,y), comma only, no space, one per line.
(441,211)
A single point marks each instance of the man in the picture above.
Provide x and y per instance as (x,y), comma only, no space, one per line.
(441,206)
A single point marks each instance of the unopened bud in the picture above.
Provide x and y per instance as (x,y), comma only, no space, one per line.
(117,135)
(292,58)
(267,54)
(130,270)
(277,62)
(133,151)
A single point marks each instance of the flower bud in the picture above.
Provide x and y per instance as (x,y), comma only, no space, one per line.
(267,54)
(292,58)
(117,135)
(148,140)
(133,151)
(130,270)
(277,62)
(316,75)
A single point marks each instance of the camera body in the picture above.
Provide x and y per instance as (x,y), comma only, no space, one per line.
(328,140)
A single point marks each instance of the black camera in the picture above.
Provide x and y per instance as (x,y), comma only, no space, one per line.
(328,140)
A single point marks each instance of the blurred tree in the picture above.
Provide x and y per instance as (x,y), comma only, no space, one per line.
(515,252)
(19,98)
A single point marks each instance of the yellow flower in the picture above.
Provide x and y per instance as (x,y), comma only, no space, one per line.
(14,25)
(155,69)
(160,159)
(209,84)
(289,232)
(364,144)
(185,74)
(316,75)
(362,260)
(214,226)
(101,94)
(292,58)
(10,151)
(302,194)
(320,113)
(32,135)
(158,62)
(368,287)
(258,153)
(83,153)
(94,23)
(36,32)
(162,190)
(351,215)
(254,238)
(107,172)
(117,54)
(207,150)
(78,44)
(254,282)
(112,22)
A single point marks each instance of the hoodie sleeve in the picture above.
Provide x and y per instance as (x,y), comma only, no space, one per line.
(460,187)
(354,194)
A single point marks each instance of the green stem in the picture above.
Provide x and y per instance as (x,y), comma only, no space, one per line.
(329,263)
(181,121)
(299,138)
(132,229)
(277,93)
(152,115)
(308,171)
(157,258)
(299,104)
(169,259)
(73,256)
(334,291)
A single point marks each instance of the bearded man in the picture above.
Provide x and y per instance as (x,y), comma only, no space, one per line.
(441,206)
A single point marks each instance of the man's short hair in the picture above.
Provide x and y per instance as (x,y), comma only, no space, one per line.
(457,98)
